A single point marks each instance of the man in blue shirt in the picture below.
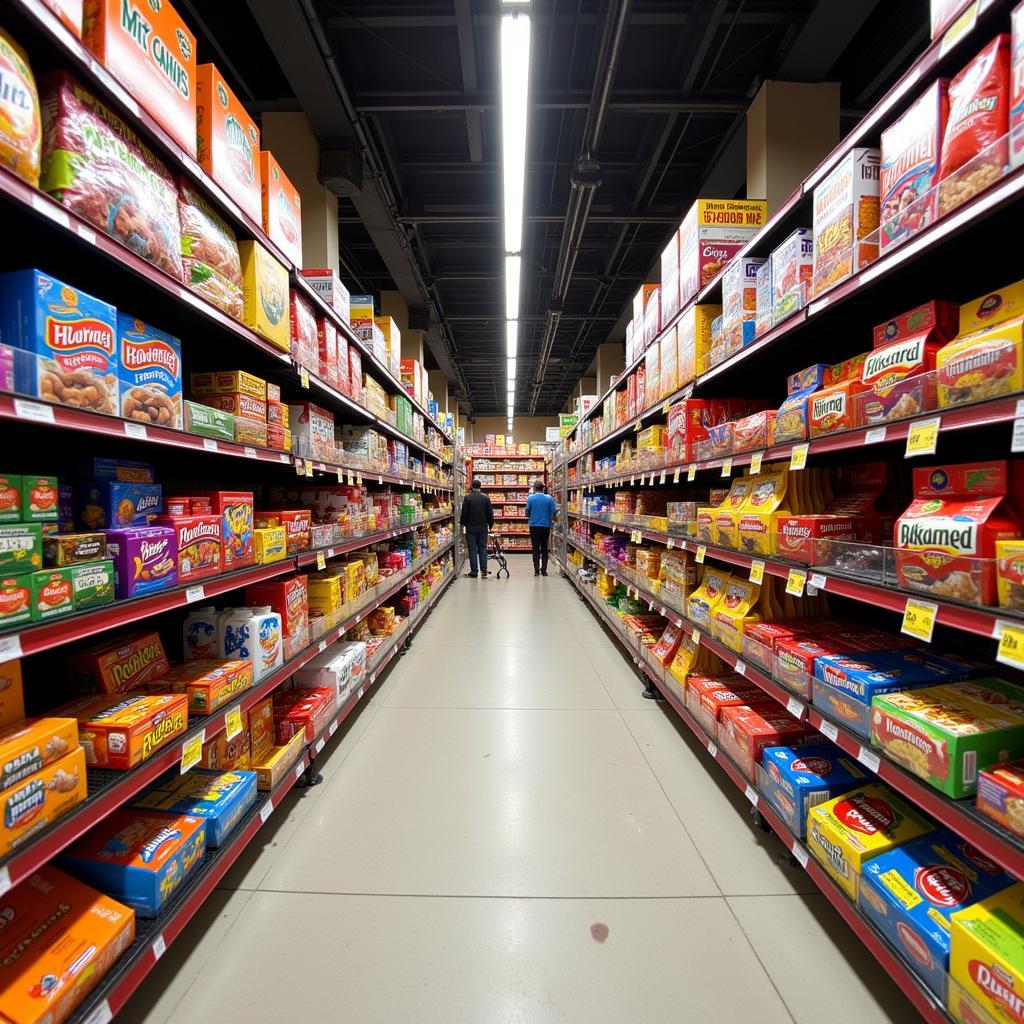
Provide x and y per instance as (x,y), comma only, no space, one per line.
(542,511)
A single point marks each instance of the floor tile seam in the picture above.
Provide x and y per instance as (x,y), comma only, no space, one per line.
(638,898)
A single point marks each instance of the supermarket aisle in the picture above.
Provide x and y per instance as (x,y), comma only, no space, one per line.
(509,832)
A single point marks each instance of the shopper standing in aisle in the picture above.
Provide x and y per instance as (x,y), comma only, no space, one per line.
(541,511)
(477,518)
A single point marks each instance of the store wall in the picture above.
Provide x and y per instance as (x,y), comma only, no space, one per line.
(527,428)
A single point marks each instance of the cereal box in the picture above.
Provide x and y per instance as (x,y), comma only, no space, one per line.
(281,207)
(983,365)
(946,537)
(209,684)
(764,315)
(909,893)
(20,548)
(272,768)
(149,49)
(985,959)
(93,584)
(221,799)
(119,667)
(1016,118)
(72,338)
(145,559)
(52,594)
(15,600)
(711,234)
(1001,794)
(271,544)
(670,303)
(112,503)
(261,729)
(141,858)
(228,754)
(792,269)
(836,408)
(208,422)
(849,830)
(228,141)
(846,218)
(943,734)
(795,779)
(199,545)
(61,937)
(327,285)
(265,295)
(70,548)
(38,502)
(745,732)
(297,524)
(739,301)
(29,746)
(124,730)
(19,113)
(910,166)
(225,382)
(149,369)
(790,422)
(11,498)
(40,799)
(236,511)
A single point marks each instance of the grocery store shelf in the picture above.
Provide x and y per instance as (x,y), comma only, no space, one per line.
(305,558)
(364,476)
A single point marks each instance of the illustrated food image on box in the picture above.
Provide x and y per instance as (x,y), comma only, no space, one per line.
(265,294)
(281,208)
(1001,794)
(150,373)
(41,799)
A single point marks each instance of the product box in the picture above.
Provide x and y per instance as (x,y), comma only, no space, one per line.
(982,366)
(118,667)
(670,300)
(149,373)
(122,731)
(141,858)
(239,404)
(236,511)
(145,559)
(206,421)
(281,207)
(103,504)
(792,270)
(72,338)
(60,939)
(38,500)
(208,683)
(846,832)
(39,800)
(791,419)
(764,317)
(795,779)
(943,734)
(711,234)
(739,301)
(228,754)
(745,732)
(52,594)
(226,382)
(11,504)
(271,544)
(909,893)
(288,597)
(21,548)
(1001,794)
(296,522)
(15,600)
(198,542)
(221,799)
(93,584)
(261,730)
(835,408)
(29,746)
(151,52)
(273,767)
(265,295)
(71,548)
(327,285)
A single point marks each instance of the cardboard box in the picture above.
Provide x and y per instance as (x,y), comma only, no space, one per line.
(236,511)
(103,504)
(792,271)
(15,600)
(52,594)
(199,545)
(239,404)
(327,285)
(72,548)
(1001,794)
(93,584)
(271,544)
(28,747)
(149,373)
(265,295)
(38,801)
(208,422)
(281,207)
(120,732)
(145,559)
(11,498)
(226,382)
(118,667)
(39,496)
(746,732)
(261,729)
(208,683)
(711,234)
(272,768)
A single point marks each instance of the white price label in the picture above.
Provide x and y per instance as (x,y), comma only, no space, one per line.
(795,708)
(712,748)
(818,581)
(283,457)
(195,593)
(874,435)
(10,647)
(322,646)
(86,234)
(210,444)
(34,411)
(869,759)
(5,880)
(159,947)
(136,430)
(751,794)
(299,769)
(741,668)
(829,730)
(101,1015)
(48,208)
(359,695)
(800,853)
(1017,443)
(319,745)
(266,810)
(250,452)
(333,728)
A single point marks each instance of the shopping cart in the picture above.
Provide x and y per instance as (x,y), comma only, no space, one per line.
(495,551)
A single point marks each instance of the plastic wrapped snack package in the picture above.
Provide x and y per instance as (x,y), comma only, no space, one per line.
(20,129)
(209,252)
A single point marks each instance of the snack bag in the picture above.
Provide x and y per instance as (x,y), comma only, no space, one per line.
(20,126)
(209,252)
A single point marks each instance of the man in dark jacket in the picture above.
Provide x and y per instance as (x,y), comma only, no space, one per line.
(476,519)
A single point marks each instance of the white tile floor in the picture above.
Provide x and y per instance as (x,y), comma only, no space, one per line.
(508,832)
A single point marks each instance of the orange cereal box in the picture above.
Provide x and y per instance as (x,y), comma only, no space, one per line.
(120,732)
(59,939)
(228,141)
(835,408)
(30,746)
(208,683)
(261,729)
(20,126)
(40,799)
(117,668)
(282,208)
(152,53)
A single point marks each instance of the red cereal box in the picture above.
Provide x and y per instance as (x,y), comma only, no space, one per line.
(355,374)
(743,732)
(115,667)
(287,597)
(1017,86)
(835,408)
(200,547)
(327,340)
(305,342)
(236,511)
(297,523)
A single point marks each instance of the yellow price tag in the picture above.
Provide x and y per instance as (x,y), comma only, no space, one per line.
(300,467)
(755,462)
(919,619)
(663,472)
(666,405)
(795,582)
(756,571)
(636,427)
(960,28)
(691,473)
(798,456)
(350,479)
(923,437)
(192,751)
(727,467)
(321,562)
(309,467)
(701,552)
(1011,646)
(675,475)
(359,480)
(233,722)
(304,377)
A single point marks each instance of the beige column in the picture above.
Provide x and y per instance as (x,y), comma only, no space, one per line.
(611,358)
(295,147)
(393,305)
(585,386)
(439,386)
(791,126)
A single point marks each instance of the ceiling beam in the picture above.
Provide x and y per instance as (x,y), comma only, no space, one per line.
(623,101)
(654,19)
(467,58)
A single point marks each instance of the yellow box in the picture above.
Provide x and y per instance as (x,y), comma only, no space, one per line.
(845,833)
(12,696)
(695,337)
(736,608)
(265,291)
(651,438)
(42,798)
(986,954)
(273,768)
(355,571)
(229,382)
(271,543)
(982,365)
(760,512)
(325,591)
(984,312)
(1010,573)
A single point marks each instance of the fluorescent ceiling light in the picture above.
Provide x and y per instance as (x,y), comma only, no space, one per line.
(515,82)
(511,367)
(513,265)
(511,337)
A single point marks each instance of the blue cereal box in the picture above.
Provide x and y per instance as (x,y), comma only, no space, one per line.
(221,798)
(909,892)
(795,779)
(109,504)
(139,857)
(71,335)
(149,373)
(845,683)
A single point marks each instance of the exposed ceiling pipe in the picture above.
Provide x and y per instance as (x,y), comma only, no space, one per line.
(584,181)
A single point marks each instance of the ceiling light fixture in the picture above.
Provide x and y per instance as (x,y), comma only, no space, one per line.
(513,266)
(511,361)
(511,337)
(515,81)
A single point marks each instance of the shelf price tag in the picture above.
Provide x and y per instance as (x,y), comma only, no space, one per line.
(675,474)
(755,462)
(875,435)
(136,430)
(740,668)
(1011,646)
(321,562)
(663,473)
(341,475)
(643,479)
(210,444)
(817,581)
(828,730)
(701,552)
(195,593)
(192,751)
(266,810)
(350,479)
(159,946)
(35,411)
(233,722)
(869,759)
(713,748)
(796,581)
(636,427)
(691,473)
(923,437)
(756,570)
(671,543)
(10,648)
(304,377)
(795,708)
(727,467)
(919,619)
(1017,443)
(798,456)
(101,1015)
(800,853)
(751,794)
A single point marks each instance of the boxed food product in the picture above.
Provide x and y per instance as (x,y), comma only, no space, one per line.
(745,732)
(52,593)
(29,746)
(261,729)
(845,833)
(946,538)
(60,940)
(739,301)
(846,218)
(757,524)
(116,668)
(307,710)
(99,169)
(764,316)
(265,295)
(288,597)
(228,754)
(790,423)
(670,302)
(19,112)
(209,252)
(909,893)
(71,337)
(149,371)
(708,696)
(277,762)
(152,53)
(15,600)
(236,511)
(910,166)
(239,404)
(71,548)
(38,499)
(208,683)
(836,408)
(704,599)
(145,559)
(281,206)
(124,730)
(792,270)
(226,382)
(21,548)
(93,584)
(102,504)
(795,779)
(711,234)
(1010,573)
(1001,794)
(220,798)
(39,800)
(198,545)
(206,421)
(271,544)
(943,734)
(326,284)
(11,501)
(139,857)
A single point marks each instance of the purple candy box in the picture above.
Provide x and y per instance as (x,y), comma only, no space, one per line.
(145,559)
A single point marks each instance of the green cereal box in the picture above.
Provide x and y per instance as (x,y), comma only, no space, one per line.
(10,498)
(92,584)
(15,601)
(52,594)
(39,498)
(208,422)
(21,548)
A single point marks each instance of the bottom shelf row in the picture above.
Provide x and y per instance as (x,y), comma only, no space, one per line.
(945,922)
